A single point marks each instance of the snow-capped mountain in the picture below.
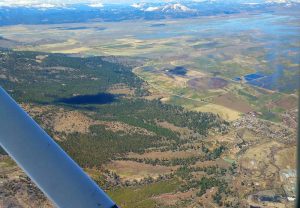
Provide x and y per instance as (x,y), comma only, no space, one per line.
(96,5)
(249,2)
(152,9)
(48,4)
(54,11)
(282,1)
(138,5)
(164,6)
(29,4)
(176,8)
(168,8)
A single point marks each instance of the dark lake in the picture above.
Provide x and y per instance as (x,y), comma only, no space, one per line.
(101,98)
(179,70)
(270,198)
(250,77)
(237,79)
(101,28)
(76,28)
(158,25)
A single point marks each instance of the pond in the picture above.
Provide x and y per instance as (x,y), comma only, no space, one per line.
(237,79)
(250,77)
(179,70)
(275,198)
(158,25)
(101,98)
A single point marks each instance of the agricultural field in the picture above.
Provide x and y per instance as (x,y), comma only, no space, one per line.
(190,62)
(176,157)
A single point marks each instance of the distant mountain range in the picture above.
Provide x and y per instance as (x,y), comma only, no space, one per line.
(173,7)
(177,5)
(35,12)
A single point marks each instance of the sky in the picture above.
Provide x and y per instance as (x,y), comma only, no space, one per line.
(51,3)
(31,2)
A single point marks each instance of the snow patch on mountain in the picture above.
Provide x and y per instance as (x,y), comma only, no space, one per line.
(176,7)
(169,8)
(96,5)
(26,3)
(138,5)
(152,9)
(283,1)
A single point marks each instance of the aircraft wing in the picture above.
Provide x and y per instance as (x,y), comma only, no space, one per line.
(52,170)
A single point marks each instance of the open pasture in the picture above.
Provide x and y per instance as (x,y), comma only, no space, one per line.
(130,170)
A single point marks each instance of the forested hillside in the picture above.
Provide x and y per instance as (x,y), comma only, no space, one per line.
(144,152)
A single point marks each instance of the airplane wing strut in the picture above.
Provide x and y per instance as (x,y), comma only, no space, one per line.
(53,171)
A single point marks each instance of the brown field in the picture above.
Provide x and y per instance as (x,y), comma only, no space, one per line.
(34,110)
(230,101)
(195,73)
(184,131)
(59,119)
(116,126)
(121,89)
(129,170)
(170,199)
(286,158)
(259,159)
(247,135)
(287,102)
(207,198)
(227,138)
(73,121)
(219,162)
(164,155)
(224,112)
(16,190)
(207,83)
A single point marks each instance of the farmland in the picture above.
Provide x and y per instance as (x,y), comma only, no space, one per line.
(168,113)
(219,70)
(174,153)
